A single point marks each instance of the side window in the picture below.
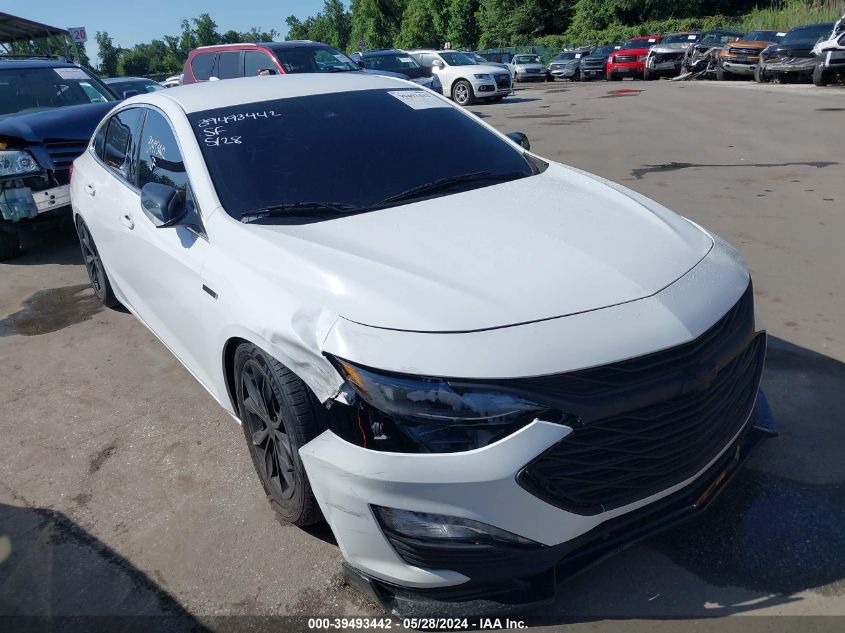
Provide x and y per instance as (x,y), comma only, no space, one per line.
(100,141)
(255,61)
(119,149)
(202,64)
(160,159)
(229,65)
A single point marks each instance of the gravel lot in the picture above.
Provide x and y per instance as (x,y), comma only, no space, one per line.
(125,490)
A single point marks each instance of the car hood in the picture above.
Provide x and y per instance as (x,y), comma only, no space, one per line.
(550,245)
(754,44)
(631,51)
(529,65)
(385,73)
(795,49)
(72,123)
(674,47)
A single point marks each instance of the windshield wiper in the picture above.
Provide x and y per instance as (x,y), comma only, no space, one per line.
(451,181)
(339,208)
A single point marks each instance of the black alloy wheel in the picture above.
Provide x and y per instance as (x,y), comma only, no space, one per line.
(94,266)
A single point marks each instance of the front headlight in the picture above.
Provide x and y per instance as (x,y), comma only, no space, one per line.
(484,76)
(433,415)
(17,163)
(641,58)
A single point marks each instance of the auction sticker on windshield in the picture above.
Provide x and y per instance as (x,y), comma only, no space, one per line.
(71,73)
(418,99)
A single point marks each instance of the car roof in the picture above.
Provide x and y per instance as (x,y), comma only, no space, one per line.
(382,51)
(209,95)
(810,26)
(114,80)
(34,63)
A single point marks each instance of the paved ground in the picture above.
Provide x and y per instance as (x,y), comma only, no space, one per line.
(124,489)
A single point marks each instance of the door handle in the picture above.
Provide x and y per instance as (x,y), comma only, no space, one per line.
(89,189)
(127,221)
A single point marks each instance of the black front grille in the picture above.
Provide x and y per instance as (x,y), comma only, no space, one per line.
(650,422)
(63,153)
(626,58)
(733,50)
(668,57)
(593,63)
(503,81)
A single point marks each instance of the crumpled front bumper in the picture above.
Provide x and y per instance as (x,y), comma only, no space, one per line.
(518,587)
(801,65)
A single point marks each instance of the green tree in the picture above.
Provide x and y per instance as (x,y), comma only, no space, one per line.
(462,29)
(424,24)
(338,24)
(188,39)
(108,53)
(493,23)
(206,30)
(377,22)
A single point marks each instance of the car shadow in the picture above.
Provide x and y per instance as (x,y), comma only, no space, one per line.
(774,534)
(55,576)
(56,245)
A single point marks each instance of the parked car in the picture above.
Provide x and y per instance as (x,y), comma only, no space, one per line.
(629,61)
(398,62)
(527,68)
(482,60)
(593,65)
(567,65)
(48,111)
(130,86)
(463,79)
(792,58)
(703,56)
(740,58)
(469,456)
(830,57)
(665,59)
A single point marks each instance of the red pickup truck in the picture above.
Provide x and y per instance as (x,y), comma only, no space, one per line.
(629,61)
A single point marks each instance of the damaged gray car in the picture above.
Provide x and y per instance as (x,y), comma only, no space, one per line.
(702,59)
(666,58)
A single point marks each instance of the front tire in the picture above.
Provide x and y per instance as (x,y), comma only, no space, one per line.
(611,76)
(819,76)
(462,93)
(279,417)
(577,75)
(759,74)
(647,74)
(95,267)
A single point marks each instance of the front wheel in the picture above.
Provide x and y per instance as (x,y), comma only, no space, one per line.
(647,74)
(94,266)
(819,75)
(759,74)
(577,75)
(612,76)
(278,416)
(462,93)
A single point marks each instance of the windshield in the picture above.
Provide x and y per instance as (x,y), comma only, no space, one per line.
(478,58)
(31,89)
(811,34)
(140,86)
(312,59)
(681,38)
(526,59)
(718,39)
(390,61)
(564,57)
(457,59)
(352,148)
(761,36)
(603,51)
(645,43)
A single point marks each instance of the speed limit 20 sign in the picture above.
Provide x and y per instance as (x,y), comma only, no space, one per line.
(78,34)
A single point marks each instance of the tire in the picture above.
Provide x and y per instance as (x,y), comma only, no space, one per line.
(722,74)
(10,245)
(270,396)
(462,93)
(819,75)
(94,266)
(577,75)
(611,76)
(647,74)
(759,74)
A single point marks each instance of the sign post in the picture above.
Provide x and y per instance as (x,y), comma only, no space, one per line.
(78,34)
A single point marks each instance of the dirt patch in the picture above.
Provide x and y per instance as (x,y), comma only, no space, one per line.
(52,310)
(99,458)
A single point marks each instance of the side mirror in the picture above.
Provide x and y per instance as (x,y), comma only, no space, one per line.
(162,204)
(130,93)
(437,63)
(520,139)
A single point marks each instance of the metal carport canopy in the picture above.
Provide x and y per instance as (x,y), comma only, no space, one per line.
(13,29)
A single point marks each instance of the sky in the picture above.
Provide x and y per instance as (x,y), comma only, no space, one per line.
(134,22)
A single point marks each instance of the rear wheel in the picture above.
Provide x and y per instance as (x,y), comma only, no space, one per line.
(819,75)
(462,93)
(279,417)
(94,266)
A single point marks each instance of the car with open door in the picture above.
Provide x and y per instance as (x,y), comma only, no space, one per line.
(484,369)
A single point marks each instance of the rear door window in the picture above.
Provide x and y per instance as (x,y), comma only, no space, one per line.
(202,64)
(229,65)
(120,146)
(255,61)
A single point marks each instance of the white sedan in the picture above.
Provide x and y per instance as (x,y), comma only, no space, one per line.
(473,364)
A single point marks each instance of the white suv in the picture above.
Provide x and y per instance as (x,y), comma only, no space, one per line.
(463,79)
